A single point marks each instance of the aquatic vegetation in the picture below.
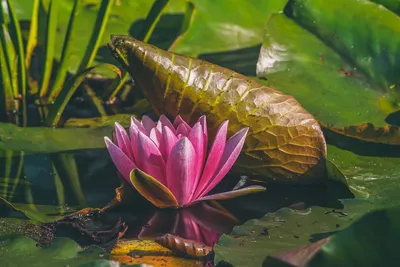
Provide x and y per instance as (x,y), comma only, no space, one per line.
(285,143)
(168,163)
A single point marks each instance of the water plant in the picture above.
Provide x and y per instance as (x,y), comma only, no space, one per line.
(168,163)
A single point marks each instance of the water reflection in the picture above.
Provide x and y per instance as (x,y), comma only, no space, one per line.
(46,185)
(202,223)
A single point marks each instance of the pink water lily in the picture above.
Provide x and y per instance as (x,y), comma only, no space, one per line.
(168,163)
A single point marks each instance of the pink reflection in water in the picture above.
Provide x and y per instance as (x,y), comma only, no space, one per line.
(201,223)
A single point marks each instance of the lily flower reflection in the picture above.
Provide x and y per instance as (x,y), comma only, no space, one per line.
(168,163)
(201,223)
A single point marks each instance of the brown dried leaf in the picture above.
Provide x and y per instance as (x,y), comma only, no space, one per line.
(184,246)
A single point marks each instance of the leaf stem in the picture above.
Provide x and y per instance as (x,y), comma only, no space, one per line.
(49,47)
(65,55)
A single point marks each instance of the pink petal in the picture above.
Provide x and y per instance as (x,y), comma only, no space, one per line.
(123,163)
(166,122)
(181,170)
(203,123)
(155,136)
(231,152)
(138,125)
(133,134)
(196,137)
(168,140)
(232,194)
(148,123)
(123,141)
(182,130)
(178,122)
(149,158)
(214,157)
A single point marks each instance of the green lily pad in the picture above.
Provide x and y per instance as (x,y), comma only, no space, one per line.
(356,245)
(285,229)
(374,181)
(363,34)
(296,62)
(23,251)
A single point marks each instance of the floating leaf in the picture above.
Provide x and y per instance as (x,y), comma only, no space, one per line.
(378,58)
(296,62)
(366,139)
(284,144)
(23,251)
(356,245)
(374,181)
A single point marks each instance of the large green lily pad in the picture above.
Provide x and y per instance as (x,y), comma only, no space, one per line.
(285,229)
(356,245)
(23,251)
(375,182)
(296,62)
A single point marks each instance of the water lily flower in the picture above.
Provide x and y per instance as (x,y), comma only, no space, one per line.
(168,163)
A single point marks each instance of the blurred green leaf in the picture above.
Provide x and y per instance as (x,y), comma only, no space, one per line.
(33,33)
(149,25)
(7,103)
(45,186)
(218,27)
(124,17)
(393,5)
(66,52)
(16,36)
(209,31)
(46,140)
(23,251)
(56,110)
(97,34)
(51,29)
